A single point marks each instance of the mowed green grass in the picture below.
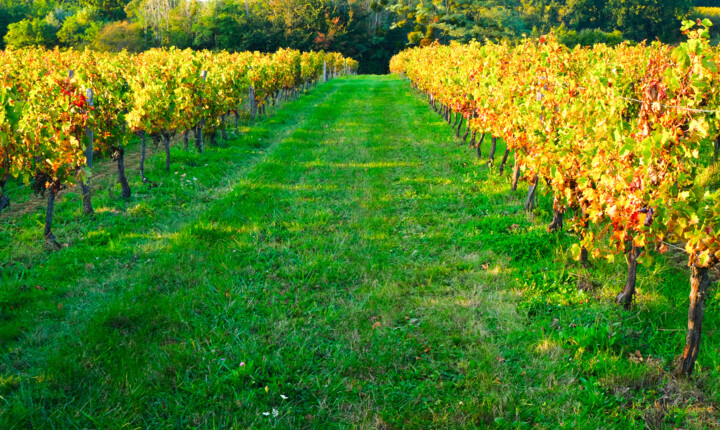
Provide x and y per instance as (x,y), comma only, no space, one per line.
(346,263)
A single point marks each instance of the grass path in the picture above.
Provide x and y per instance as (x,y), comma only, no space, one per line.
(344,264)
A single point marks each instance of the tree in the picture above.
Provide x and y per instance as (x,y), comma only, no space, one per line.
(108,9)
(116,36)
(649,19)
(588,14)
(79,29)
(30,32)
(10,13)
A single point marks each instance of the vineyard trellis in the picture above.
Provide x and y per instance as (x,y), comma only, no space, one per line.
(61,107)
(617,135)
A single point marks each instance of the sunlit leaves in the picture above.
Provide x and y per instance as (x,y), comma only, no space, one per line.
(618,132)
(45,114)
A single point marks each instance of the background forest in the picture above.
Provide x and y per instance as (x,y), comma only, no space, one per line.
(368,30)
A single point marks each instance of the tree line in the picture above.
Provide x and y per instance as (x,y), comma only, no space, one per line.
(368,30)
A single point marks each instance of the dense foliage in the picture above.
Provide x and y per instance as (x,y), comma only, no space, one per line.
(369,30)
(57,108)
(341,26)
(617,135)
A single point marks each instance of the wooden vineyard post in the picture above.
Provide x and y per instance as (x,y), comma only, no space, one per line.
(88,131)
(4,199)
(532,189)
(251,100)
(143,149)
(87,193)
(85,186)
(324,71)
(223,120)
(199,138)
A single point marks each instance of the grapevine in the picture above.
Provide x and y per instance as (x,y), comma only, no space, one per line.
(613,134)
(59,107)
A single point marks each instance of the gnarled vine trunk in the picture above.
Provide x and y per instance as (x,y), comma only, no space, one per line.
(119,156)
(198,134)
(504,160)
(584,261)
(467,132)
(85,189)
(4,202)
(478,145)
(532,191)
(491,156)
(699,284)
(516,176)
(4,199)
(626,296)
(50,240)
(557,222)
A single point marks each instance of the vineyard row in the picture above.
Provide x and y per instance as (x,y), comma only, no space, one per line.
(621,137)
(60,108)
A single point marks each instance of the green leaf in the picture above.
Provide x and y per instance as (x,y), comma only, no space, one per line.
(646,260)
(575,251)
